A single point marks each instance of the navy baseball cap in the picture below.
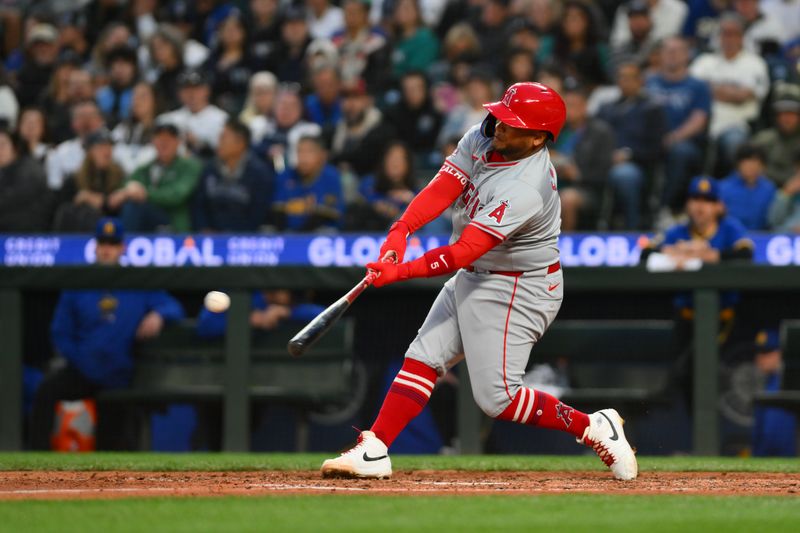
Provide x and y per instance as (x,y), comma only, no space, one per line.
(109,231)
(768,340)
(704,187)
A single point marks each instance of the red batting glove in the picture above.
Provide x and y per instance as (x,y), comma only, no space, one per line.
(395,242)
(389,273)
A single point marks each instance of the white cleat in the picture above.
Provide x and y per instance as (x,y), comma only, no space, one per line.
(369,458)
(606,437)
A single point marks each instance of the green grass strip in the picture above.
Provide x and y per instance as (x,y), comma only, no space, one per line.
(290,461)
(352,514)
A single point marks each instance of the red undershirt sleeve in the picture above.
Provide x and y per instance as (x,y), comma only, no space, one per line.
(473,244)
(431,201)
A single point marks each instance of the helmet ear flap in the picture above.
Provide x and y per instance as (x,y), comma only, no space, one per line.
(488,126)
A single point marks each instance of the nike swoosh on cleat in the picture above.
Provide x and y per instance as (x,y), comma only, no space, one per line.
(615,436)
(552,287)
(369,459)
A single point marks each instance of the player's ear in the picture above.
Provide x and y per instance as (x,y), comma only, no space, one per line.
(539,138)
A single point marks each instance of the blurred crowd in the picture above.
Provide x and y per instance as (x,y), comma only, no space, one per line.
(311,115)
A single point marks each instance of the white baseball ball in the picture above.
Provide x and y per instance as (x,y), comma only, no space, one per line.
(217,302)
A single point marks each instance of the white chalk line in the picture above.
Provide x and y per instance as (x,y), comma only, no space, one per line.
(79,491)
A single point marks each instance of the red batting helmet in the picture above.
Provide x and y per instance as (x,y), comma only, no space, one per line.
(531,106)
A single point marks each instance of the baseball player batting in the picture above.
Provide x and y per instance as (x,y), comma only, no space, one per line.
(507,289)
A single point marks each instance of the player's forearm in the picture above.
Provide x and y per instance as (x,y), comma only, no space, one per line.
(431,201)
(449,258)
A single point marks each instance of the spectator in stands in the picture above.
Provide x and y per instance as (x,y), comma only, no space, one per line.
(230,64)
(67,157)
(54,100)
(668,17)
(94,332)
(166,54)
(158,194)
(276,140)
(415,46)
(324,105)
(9,106)
(79,88)
(784,213)
(764,33)
(582,157)
(23,188)
(85,196)
(687,103)
(415,117)
(639,125)
(739,82)
(388,192)
(260,98)
(577,45)
(132,136)
(324,19)
(198,120)
(477,91)
(641,41)
(270,309)
(519,66)
(774,428)
(33,132)
(494,30)
(308,197)
(747,193)
(781,141)
(361,133)
(288,61)
(41,54)
(264,30)
(115,98)
(364,52)
(235,189)
(113,36)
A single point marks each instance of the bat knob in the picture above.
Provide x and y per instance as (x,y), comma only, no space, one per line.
(295,348)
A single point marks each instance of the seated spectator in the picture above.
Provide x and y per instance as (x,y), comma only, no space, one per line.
(784,213)
(781,141)
(235,189)
(774,428)
(739,82)
(477,91)
(668,17)
(94,332)
(747,193)
(263,30)
(389,191)
(24,203)
(158,194)
(324,19)
(198,120)
(414,117)
(324,105)
(275,140)
(166,54)
(764,34)
(260,99)
(641,41)
(519,66)
(309,196)
(33,132)
(687,103)
(85,196)
(230,64)
(66,158)
(41,55)
(577,45)
(364,52)
(79,88)
(361,133)
(494,30)
(9,106)
(415,46)
(270,309)
(115,98)
(54,101)
(639,124)
(132,136)
(582,159)
(288,59)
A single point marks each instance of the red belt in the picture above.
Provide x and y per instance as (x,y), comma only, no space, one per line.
(555,267)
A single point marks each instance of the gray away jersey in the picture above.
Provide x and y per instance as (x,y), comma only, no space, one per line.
(516,201)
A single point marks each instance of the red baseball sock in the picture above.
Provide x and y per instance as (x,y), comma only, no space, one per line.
(538,408)
(406,398)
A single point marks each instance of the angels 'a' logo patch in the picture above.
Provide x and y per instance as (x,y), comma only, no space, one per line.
(508,96)
(499,211)
(564,413)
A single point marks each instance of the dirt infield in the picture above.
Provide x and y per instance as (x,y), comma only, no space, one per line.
(121,484)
